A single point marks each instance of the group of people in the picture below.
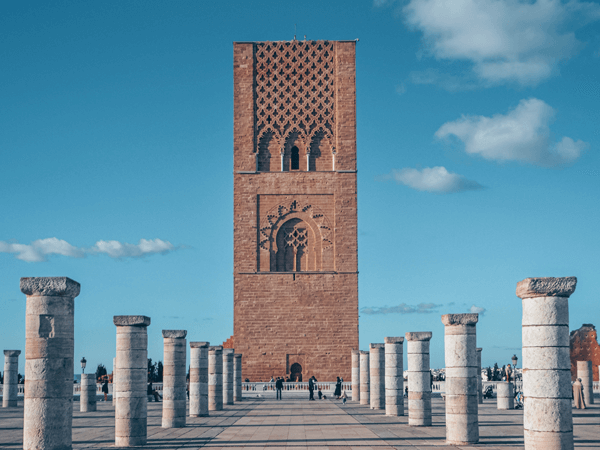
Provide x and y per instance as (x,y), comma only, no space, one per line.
(312,385)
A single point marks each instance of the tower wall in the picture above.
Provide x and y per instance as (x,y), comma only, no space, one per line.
(295,231)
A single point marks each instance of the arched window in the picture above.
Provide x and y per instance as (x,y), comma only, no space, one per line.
(295,158)
(293,246)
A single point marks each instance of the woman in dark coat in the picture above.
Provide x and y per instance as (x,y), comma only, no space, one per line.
(338,388)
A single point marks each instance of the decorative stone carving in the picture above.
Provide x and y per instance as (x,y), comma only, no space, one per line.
(294,92)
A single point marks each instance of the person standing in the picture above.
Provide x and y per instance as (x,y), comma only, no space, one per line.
(338,388)
(279,387)
(578,394)
(311,388)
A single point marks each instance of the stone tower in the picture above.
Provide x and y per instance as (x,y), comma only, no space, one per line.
(295,237)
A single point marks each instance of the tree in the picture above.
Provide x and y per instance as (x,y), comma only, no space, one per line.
(496,370)
(159,372)
(489,374)
(151,371)
(100,371)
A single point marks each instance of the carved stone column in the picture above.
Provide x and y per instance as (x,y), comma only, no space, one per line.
(228,376)
(479,380)
(237,377)
(547,411)
(584,371)
(114,380)
(49,354)
(419,379)
(355,375)
(505,395)
(199,379)
(174,372)
(460,341)
(215,378)
(131,413)
(377,375)
(394,376)
(364,378)
(87,398)
(10,388)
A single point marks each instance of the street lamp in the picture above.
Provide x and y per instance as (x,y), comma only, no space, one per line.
(514,360)
(83,361)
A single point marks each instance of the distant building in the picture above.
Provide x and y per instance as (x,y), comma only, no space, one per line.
(584,347)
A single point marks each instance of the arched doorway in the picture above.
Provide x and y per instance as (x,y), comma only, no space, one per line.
(296,372)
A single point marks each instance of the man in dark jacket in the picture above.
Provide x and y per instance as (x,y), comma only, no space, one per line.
(279,387)
(311,388)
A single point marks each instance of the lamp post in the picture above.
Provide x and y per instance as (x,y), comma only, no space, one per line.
(514,360)
(83,362)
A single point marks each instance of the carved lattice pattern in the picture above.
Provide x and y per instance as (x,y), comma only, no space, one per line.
(294,89)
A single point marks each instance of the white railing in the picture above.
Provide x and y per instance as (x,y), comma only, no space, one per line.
(327,386)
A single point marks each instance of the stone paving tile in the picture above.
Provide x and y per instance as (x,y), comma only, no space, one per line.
(297,424)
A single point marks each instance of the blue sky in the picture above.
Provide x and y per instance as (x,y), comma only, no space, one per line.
(478,160)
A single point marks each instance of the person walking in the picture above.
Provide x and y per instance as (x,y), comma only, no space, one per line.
(578,394)
(311,388)
(105,389)
(279,387)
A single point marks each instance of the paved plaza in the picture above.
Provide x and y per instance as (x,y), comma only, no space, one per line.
(299,424)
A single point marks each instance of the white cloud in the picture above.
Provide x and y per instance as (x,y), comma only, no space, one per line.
(116,249)
(39,250)
(505,40)
(402,308)
(477,310)
(523,134)
(434,179)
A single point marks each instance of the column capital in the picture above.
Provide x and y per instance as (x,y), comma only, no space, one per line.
(237,355)
(546,287)
(50,286)
(393,340)
(174,334)
(479,349)
(418,336)
(215,348)
(227,351)
(131,321)
(363,352)
(12,352)
(460,319)
(199,344)
(376,345)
